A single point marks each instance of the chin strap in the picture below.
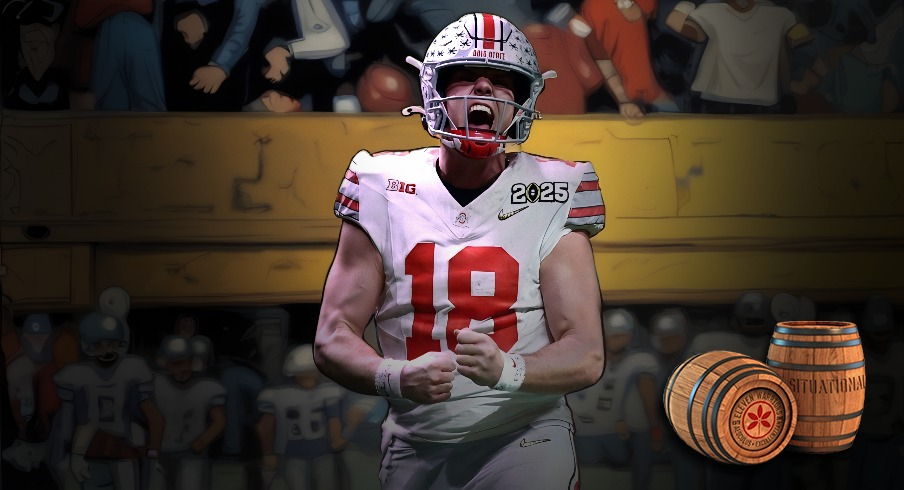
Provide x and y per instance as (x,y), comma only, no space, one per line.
(472,148)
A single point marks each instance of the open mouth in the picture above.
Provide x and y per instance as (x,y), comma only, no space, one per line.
(480,116)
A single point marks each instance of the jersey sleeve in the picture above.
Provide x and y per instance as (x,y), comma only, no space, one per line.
(66,381)
(789,20)
(142,376)
(265,401)
(332,398)
(212,391)
(218,394)
(702,15)
(587,212)
(347,200)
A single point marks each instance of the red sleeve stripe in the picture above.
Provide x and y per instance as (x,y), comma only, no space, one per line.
(589,185)
(346,201)
(351,176)
(587,212)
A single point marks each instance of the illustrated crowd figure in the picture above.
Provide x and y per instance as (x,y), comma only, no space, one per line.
(163,399)
(632,57)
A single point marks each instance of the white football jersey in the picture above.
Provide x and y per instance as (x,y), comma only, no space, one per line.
(184,408)
(599,408)
(301,416)
(106,393)
(636,364)
(477,266)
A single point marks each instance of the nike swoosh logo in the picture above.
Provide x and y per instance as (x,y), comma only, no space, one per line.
(503,216)
(526,443)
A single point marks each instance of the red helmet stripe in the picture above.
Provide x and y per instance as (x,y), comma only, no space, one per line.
(489,31)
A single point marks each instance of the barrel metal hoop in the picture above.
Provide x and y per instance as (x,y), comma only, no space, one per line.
(817,449)
(817,345)
(715,415)
(675,378)
(816,367)
(690,400)
(824,438)
(829,418)
(812,331)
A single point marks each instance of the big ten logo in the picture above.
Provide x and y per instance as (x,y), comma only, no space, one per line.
(543,192)
(399,186)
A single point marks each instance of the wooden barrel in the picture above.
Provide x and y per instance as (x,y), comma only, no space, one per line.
(822,362)
(730,407)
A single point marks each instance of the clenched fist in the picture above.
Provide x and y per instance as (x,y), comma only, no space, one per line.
(428,379)
(479,358)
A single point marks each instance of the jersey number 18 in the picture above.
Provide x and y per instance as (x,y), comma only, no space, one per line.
(467,304)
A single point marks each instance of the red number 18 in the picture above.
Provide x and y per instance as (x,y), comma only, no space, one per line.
(420,265)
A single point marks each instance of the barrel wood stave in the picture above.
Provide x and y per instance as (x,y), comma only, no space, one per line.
(823,364)
(730,407)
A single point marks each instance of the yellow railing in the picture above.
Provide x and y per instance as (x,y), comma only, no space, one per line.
(183,208)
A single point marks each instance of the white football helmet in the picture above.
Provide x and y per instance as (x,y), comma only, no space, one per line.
(97,327)
(178,347)
(618,321)
(479,40)
(173,348)
(300,360)
(670,323)
(114,301)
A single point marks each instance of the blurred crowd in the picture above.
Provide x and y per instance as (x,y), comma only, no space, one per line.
(631,57)
(229,398)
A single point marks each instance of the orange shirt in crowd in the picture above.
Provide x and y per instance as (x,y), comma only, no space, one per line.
(626,43)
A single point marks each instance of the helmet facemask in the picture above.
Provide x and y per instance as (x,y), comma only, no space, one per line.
(480,41)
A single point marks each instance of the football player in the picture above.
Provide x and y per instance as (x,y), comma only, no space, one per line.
(300,426)
(478,268)
(104,393)
(194,410)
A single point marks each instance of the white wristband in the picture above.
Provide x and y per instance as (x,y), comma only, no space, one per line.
(388,379)
(513,369)
(685,7)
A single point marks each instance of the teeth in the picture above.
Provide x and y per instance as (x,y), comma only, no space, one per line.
(481,108)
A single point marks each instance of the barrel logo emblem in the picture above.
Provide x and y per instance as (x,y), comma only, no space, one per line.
(757,419)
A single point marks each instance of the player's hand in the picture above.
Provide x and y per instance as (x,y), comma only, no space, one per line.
(657,441)
(622,428)
(629,10)
(80,468)
(193,27)
(479,358)
(428,379)
(25,456)
(799,87)
(269,462)
(208,78)
(278,59)
(338,444)
(198,446)
(630,110)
